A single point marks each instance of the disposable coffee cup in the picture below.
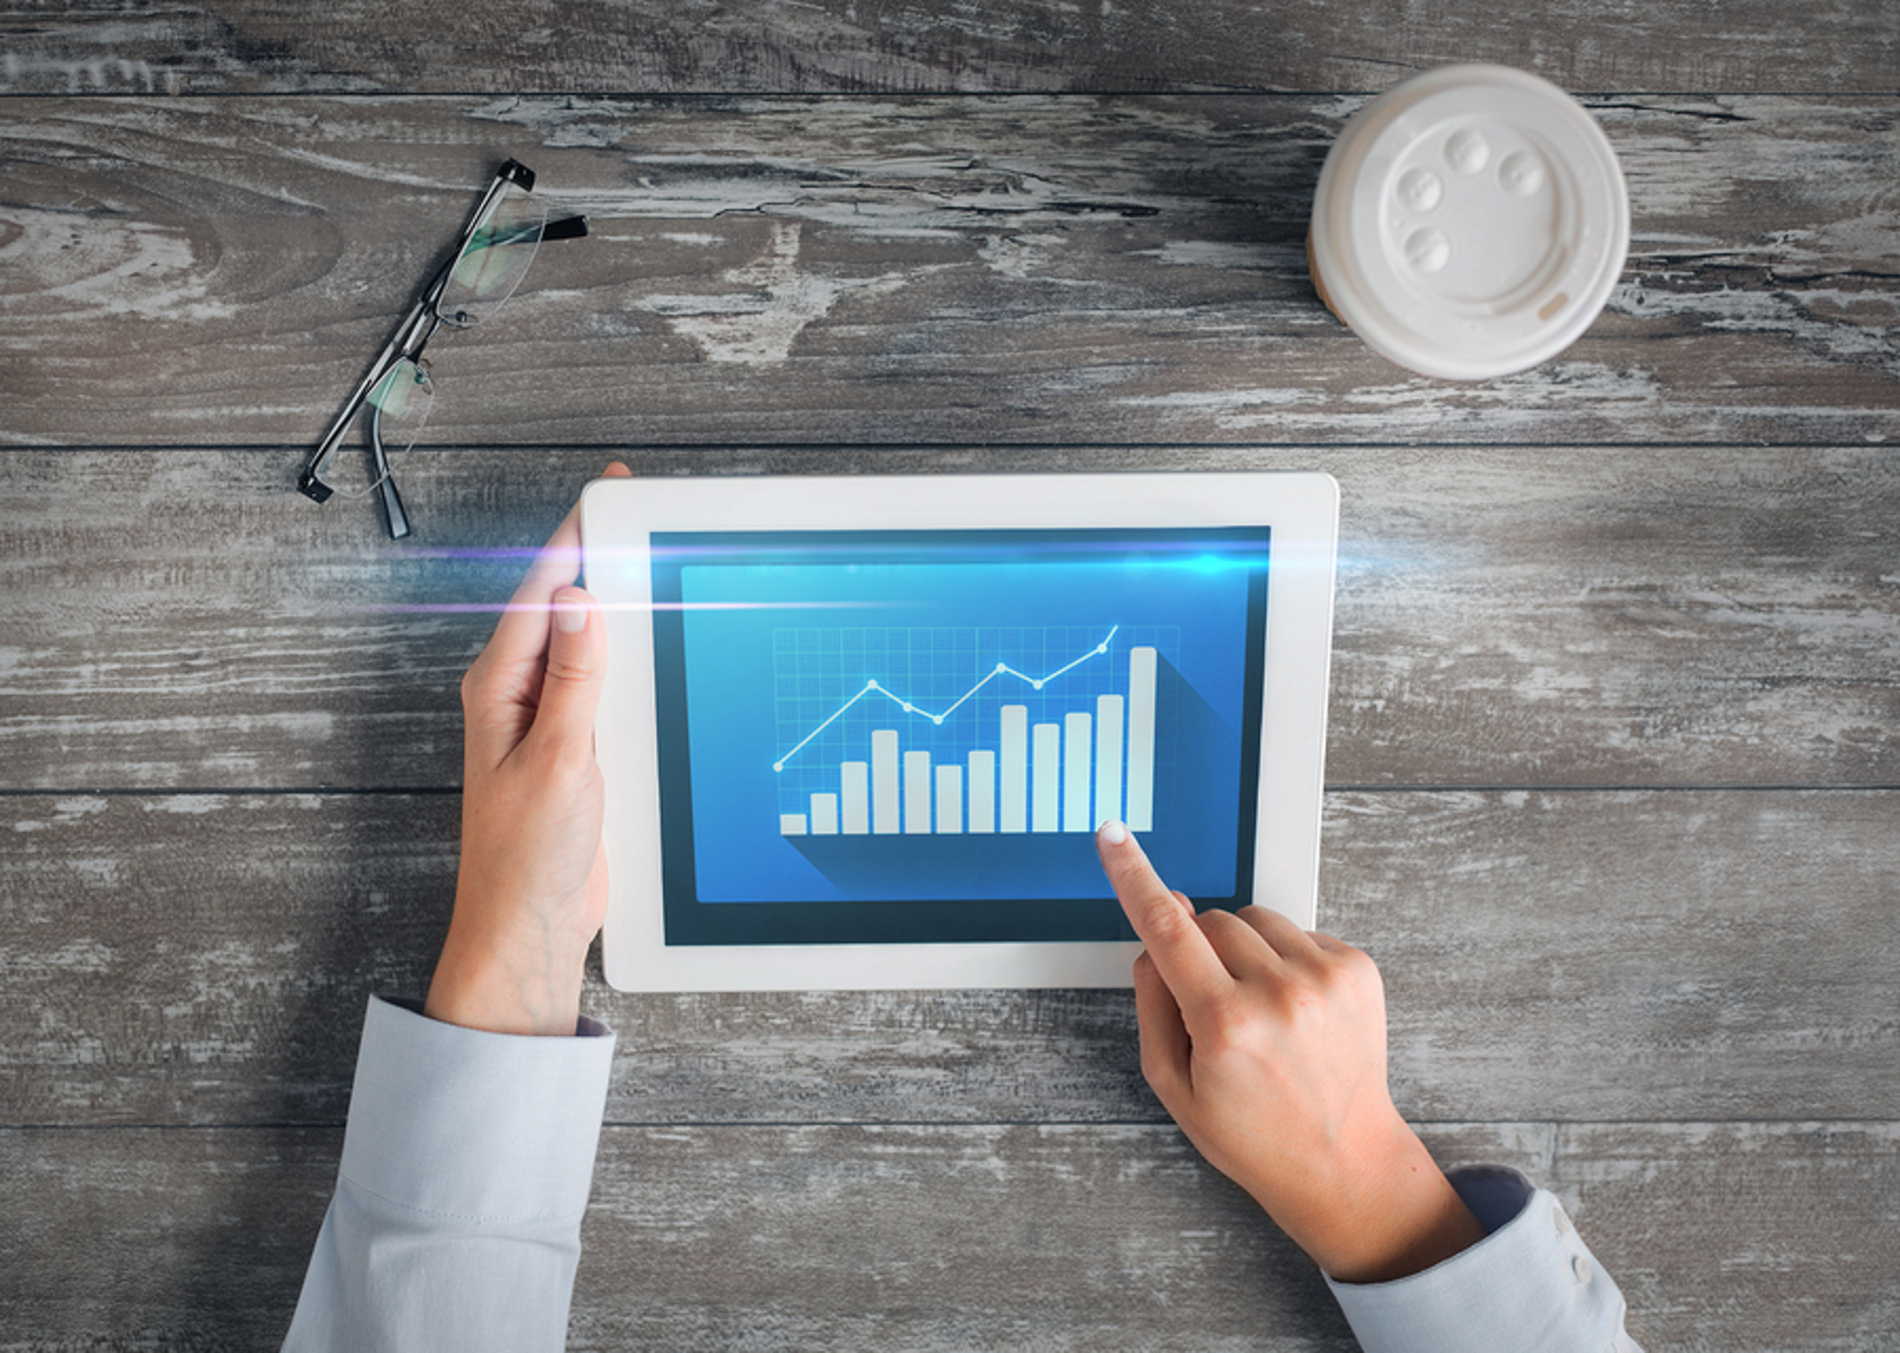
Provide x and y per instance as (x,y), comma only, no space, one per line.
(1469,222)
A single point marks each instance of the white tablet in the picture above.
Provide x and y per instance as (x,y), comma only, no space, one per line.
(858,732)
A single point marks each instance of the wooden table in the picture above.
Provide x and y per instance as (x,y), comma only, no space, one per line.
(1614,768)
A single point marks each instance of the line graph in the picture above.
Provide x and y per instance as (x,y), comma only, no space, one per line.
(875,687)
(966,731)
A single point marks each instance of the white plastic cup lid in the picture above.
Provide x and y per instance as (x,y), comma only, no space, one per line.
(1470,222)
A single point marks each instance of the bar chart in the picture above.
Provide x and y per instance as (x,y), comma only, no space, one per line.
(1020,749)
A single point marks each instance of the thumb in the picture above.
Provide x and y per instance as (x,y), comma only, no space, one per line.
(577,667)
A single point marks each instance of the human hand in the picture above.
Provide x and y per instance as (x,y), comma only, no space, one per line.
(532,888)
(1267,1045)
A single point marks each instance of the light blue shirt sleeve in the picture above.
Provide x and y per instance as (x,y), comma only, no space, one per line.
(469,1156)
(1530,1286)
(466,1167)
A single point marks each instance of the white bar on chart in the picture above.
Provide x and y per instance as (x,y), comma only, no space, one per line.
(1045,773)
(1012,793)
(1141,739)
(917,793)
(1108,759)
(982,791)
(1075,772)
(949,800)
(884,795)
(824,815)
(855,797)
(791,824)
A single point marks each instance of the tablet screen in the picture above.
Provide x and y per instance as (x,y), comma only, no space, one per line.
(878,737)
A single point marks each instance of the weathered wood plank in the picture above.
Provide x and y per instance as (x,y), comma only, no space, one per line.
(592,46)
(1506,616)
(205,959)
(798,271)
(1781,1237)
(1730,1236)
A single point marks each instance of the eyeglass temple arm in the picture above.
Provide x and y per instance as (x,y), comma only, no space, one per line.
(567,228)
(395,516)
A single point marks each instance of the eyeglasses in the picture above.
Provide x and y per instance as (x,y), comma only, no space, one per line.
(496,247)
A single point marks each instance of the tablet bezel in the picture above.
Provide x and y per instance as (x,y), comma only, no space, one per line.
(618,518)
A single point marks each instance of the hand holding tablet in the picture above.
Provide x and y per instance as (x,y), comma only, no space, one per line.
(532,885)
(858,732)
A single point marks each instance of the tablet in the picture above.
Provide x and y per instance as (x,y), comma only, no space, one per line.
(858,732)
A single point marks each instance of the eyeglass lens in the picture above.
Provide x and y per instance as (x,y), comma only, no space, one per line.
(398,407)
(495,259)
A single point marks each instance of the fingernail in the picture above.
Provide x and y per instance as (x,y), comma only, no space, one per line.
(1113,831)
(570,617)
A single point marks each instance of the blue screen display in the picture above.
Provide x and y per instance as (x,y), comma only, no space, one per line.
(912,736)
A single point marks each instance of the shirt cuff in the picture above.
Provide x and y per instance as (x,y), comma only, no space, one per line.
(483,1127)
(1530,1283)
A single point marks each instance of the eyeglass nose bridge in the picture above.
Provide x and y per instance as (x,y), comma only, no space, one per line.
(424,370)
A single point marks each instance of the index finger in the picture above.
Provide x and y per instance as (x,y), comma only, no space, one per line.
(1181,952)
(523,628)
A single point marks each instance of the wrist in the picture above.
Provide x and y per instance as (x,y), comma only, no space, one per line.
(507,986)
(1386,1212)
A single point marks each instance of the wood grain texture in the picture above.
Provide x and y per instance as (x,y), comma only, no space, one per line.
(1505,616)
(1615,727)
(815,272)
(1733,1237)
(1722,1236)
(229,46)
(205,959)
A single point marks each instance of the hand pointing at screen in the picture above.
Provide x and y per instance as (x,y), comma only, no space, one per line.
(1267,1045)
